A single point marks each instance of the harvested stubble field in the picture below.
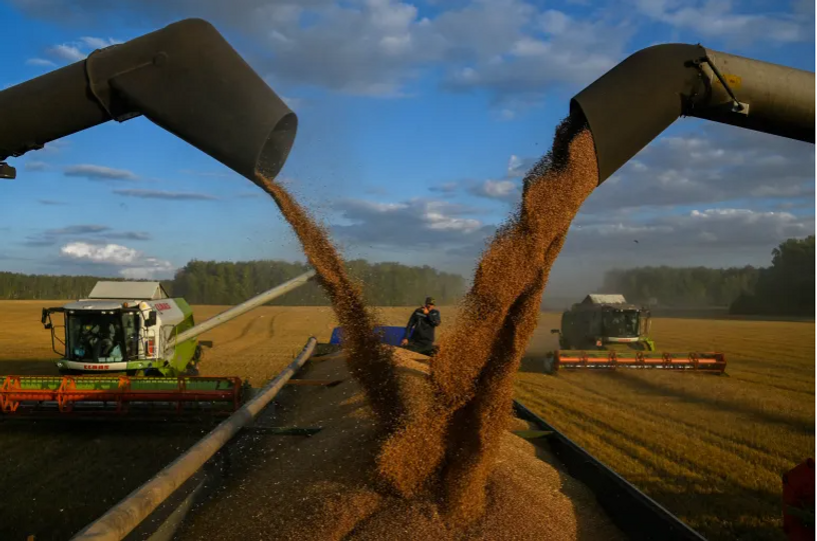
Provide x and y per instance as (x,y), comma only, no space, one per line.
(711,449)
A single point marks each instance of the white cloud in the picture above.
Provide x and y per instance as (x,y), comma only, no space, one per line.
(34,165)
(73,51)
(545,49)
(509,188)
(78,230)
(131,263)
(518,167)
(514,164)
(367,48)
(293,103)
(170,196)
(413,224)
(718,19)
(98,172)
(112,254)
(446,188)
(152,268)
(98,43)
(40,62)
(438,216)
(517,50)
(67,53)
(716,164)
(710,237)
(498,189)
(378,47)
(727,230)
(99,234)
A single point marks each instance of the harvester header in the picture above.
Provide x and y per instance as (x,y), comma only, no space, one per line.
(606,332)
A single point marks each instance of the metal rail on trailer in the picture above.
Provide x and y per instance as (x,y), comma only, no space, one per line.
(133,510)
(637,515)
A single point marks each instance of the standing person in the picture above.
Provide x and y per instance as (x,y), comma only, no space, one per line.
(419,335)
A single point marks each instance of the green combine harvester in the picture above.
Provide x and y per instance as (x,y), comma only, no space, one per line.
(129,346)
(607,332)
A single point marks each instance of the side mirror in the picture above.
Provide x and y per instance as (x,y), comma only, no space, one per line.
(46,321)
(554,331)
(151,320)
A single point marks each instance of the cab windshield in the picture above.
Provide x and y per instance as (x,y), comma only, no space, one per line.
(95,336)
(621,323)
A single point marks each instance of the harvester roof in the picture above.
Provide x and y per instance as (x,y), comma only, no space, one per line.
(598,298)
(172,311)
(93,304)
(143,291)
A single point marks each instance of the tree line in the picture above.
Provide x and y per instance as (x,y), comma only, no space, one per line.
(16,286)
(681,287)
(784,288)
(787,287)
(220,282)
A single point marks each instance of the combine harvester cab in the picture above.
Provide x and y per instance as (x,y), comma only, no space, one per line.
(123,327)
(605,332)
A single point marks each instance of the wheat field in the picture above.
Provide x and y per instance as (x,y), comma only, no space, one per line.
(709,448)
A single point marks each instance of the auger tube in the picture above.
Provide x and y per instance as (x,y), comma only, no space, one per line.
(241,309)
(185,78)
(635,101)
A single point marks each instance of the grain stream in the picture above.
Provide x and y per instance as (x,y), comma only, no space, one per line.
(443,445)
(453,443)
(370,362)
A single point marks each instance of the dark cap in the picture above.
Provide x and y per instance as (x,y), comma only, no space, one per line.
(430,300)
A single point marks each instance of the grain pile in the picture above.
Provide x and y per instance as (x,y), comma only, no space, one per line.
(454,443)
(325,487)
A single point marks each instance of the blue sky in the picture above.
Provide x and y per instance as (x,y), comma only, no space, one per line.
(417,122)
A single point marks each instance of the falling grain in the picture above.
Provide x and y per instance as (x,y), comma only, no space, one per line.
(369,361)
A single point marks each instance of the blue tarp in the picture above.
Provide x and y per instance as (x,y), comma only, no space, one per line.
(391,335)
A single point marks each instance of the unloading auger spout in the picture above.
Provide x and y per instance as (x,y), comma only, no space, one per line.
(185,78)
(635,101)
(243,308)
